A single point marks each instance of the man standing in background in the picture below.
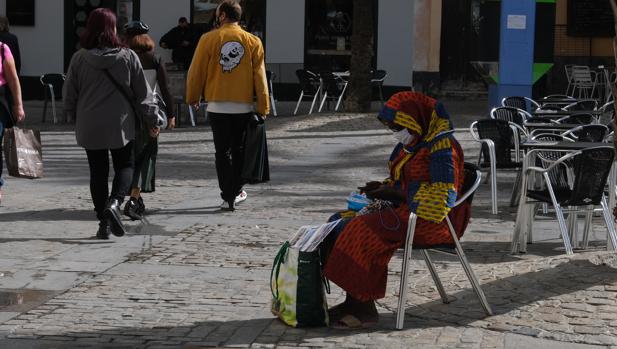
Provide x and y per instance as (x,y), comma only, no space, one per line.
(228,70)
(181,40)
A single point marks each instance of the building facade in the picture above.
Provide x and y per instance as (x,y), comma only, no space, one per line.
(419,42)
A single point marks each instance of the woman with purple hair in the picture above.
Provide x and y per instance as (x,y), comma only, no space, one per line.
(107,95)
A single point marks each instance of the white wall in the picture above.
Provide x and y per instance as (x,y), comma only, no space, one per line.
(285,31)
(396,30)
(161,16)
(42,46)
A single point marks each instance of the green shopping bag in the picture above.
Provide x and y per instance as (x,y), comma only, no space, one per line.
(298,291)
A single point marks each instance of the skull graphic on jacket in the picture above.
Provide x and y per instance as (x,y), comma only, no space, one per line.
(231,55)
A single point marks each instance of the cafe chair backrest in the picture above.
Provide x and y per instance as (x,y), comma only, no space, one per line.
(591,169)
(309,81)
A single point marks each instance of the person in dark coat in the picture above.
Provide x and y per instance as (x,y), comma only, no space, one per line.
(107,94)
(182,41)
(11,41)
(146,147)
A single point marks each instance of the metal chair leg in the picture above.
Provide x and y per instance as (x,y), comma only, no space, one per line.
(192,115)
(325,96)
(298,104)
(516,190)
(273,105)
(563,228)
(313,104)
(572,227)
(491,149)
(611,243)
(475,284)
(340,98)
(53,104)
(435,276)
(400,310)
(587,229)
(45,106)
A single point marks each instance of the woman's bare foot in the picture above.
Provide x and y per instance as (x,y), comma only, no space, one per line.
(353,314)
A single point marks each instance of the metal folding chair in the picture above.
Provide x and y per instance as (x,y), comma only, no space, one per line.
(270,76)
(499,139)
(473,176)
(51,83)
(333,87)
(377,79)
(310,86)
(523,103)
(590,170)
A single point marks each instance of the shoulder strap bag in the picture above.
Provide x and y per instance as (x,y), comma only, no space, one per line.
(140,120)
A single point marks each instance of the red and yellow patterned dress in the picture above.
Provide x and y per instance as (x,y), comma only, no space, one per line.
(430,171)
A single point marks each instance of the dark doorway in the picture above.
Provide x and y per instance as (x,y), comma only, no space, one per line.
(76,14)
(455,39)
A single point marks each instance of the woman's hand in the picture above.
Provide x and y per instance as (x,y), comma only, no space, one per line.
(370,186)
(171,123)
(387,193)
(154,132)
(18,111)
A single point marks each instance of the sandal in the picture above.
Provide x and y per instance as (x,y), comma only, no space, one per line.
(351,322)
(338,311)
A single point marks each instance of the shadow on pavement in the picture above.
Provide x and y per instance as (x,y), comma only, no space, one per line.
(49,215)
(506,295)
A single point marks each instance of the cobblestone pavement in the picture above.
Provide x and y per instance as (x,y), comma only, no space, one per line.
(196,277)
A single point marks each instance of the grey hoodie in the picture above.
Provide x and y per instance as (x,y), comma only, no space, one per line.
(103,117)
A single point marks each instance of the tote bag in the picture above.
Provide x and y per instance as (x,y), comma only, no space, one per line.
(256,166)
(298,291)
(23,152)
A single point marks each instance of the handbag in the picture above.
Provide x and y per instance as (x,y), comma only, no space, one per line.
(256,166)
(298,288)
(23,152)
(161,115)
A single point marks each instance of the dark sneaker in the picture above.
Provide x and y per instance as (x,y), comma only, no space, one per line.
(141,208)
(103,232)
(227,206)
(112,215)
(131,209)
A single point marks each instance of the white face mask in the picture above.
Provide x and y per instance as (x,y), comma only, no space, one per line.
(403,136)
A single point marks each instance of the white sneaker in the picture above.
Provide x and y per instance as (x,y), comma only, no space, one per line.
(241,197)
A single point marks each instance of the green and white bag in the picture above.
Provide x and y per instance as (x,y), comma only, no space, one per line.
(298,291)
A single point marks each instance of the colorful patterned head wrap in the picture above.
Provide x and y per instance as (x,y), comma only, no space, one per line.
(420,114)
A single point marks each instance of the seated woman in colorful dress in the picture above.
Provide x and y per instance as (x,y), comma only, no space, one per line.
(426,175)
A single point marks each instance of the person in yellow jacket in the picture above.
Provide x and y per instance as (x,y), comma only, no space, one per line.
(228,70)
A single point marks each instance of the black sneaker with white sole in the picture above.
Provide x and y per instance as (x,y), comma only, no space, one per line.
(112,215)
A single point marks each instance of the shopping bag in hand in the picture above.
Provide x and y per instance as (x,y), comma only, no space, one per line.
(23,152)
(256,167)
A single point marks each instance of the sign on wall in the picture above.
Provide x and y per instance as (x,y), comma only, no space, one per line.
(20,12)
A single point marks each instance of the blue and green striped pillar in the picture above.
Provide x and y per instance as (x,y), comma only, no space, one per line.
(516,48)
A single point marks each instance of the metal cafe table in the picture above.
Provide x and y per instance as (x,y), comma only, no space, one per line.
(558,114)
(522,228)
(531,126)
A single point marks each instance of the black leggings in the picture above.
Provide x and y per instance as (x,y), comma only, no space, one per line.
(123,161)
